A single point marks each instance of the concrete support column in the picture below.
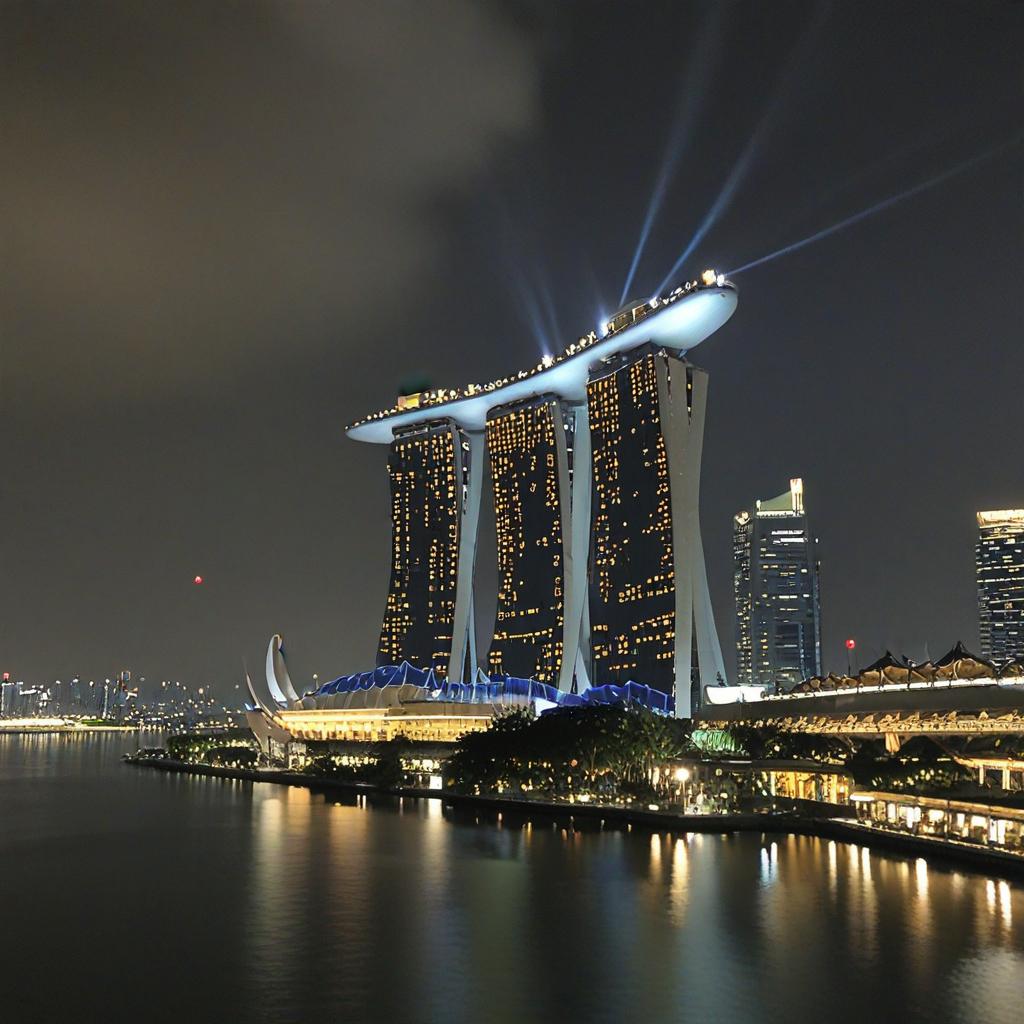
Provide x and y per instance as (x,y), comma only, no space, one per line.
(709,647)
(463,639)
(684,478)
(575,515)
(682,413)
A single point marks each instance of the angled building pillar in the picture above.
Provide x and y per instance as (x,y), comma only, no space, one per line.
(576,503)
(694,616)
(462,664)
(675,393)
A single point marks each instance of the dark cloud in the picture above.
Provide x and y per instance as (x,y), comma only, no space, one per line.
(188,187)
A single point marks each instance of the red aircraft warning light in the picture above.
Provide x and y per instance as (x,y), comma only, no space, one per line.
(850,644)
(197,580)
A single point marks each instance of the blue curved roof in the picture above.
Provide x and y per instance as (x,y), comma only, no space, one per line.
(493,688)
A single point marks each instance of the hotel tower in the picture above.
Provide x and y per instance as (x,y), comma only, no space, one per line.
(649,604)
(542,547)
(434,470)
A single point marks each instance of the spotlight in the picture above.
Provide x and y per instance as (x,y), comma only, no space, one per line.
(855,218)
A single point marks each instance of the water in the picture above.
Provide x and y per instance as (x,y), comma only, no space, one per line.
(128,894)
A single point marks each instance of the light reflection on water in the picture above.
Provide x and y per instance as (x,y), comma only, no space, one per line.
(265,903)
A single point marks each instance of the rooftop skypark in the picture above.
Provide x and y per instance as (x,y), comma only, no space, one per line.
(680,320)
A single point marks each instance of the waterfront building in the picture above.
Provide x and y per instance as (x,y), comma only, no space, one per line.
(958,695)
(535,449)
(435,502)
(729,778)
(775,582)
(978,825)
(999,563)
(536,424)
(649,604)
(402,700)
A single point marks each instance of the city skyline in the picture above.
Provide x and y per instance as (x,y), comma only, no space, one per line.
(187,420)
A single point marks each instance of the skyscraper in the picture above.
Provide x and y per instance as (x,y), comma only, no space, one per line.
(435,505)
(648,589)
(775,579)
(532,449)
(999,561)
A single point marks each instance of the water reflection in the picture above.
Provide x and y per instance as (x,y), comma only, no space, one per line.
(679,885)
(289,905)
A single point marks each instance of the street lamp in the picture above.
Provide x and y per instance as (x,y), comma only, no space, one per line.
(682,777)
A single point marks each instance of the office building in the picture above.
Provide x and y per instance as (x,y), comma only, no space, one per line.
(775,579)
(999,564)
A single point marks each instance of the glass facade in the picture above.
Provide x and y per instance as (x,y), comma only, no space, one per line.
(775,581)
(742,545)
(428,469)
(530,445)
(999,562)
(632,583)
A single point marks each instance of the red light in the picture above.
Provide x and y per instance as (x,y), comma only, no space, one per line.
(850,644)
(198,580)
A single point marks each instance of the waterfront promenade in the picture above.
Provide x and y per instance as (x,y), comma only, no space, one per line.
(796,822)
(33,727)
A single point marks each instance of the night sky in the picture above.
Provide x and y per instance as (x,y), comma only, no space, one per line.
(227,229)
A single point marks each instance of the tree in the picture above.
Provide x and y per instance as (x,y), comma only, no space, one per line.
(566,750)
